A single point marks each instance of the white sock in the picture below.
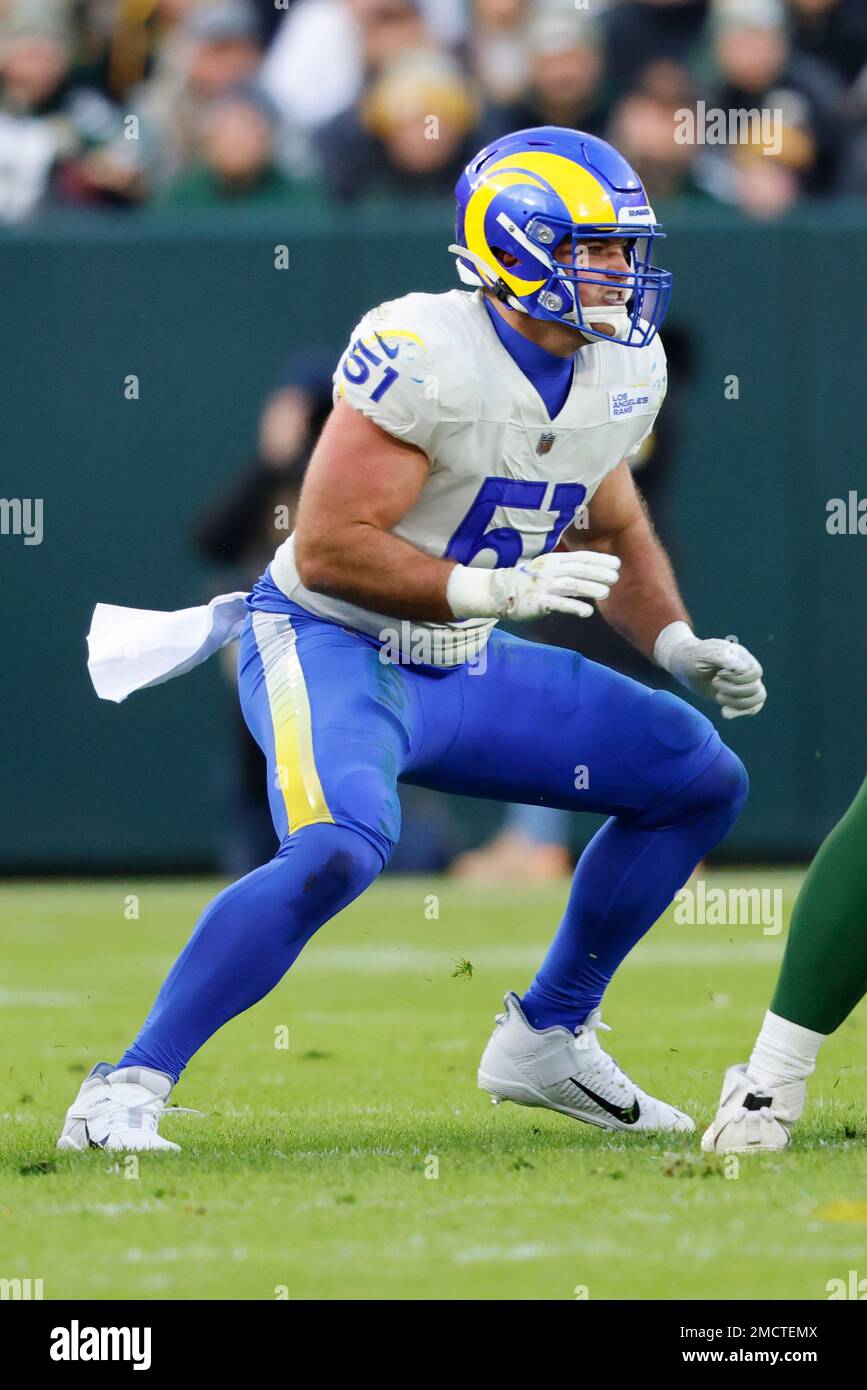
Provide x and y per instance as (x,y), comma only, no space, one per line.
(783,1052)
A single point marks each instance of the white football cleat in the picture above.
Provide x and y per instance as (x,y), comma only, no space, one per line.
(119,1110)
(753,1119)
(569,1072)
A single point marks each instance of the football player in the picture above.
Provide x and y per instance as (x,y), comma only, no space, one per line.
(469,431)
(822,978)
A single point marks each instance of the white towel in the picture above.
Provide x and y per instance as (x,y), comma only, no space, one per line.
(132,648)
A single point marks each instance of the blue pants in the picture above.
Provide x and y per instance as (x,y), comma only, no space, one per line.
(539,725)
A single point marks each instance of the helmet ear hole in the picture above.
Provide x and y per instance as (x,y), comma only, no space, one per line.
(505,257)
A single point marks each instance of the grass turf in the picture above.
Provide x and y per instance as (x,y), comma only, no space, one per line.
(362,1162)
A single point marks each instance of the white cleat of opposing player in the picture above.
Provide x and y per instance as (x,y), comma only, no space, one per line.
(752,1119)
(569,1072)
(119,1110)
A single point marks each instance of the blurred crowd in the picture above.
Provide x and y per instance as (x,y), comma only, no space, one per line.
(128,104)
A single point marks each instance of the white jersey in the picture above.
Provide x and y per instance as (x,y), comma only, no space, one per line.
(505,479)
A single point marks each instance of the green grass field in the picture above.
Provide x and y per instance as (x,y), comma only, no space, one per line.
(310,1172)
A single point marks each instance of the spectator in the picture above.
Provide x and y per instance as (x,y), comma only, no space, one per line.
(834,31)
(325,49)
(759,70)
(413,132)
(643,128)
(239,530)
(566,75)
(853,175)
(641,32)
(216,49)
(225,49)
(767,188)
(119,41)
(47,121)
(498,49)
(234,162)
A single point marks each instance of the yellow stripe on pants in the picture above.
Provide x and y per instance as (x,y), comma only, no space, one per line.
(296,773)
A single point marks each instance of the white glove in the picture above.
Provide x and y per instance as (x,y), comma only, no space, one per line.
(549,584)
(718,668)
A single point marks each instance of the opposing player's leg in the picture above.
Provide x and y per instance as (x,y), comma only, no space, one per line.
(332,722)
(541,724)
(822,978)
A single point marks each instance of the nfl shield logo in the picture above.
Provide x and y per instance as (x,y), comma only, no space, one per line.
(545,442)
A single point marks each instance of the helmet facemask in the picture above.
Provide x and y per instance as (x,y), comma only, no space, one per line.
(645,288)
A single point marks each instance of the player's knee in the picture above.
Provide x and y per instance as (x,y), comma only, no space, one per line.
(702,775)
(326,866)
(349,867)
(728,783)
(720,790)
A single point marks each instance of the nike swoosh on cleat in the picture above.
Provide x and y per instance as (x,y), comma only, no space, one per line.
(626,1117)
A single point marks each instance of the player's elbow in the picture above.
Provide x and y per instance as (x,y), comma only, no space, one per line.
(308,563)
(315,563)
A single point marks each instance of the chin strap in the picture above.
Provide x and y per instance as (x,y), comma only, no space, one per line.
(615,315)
